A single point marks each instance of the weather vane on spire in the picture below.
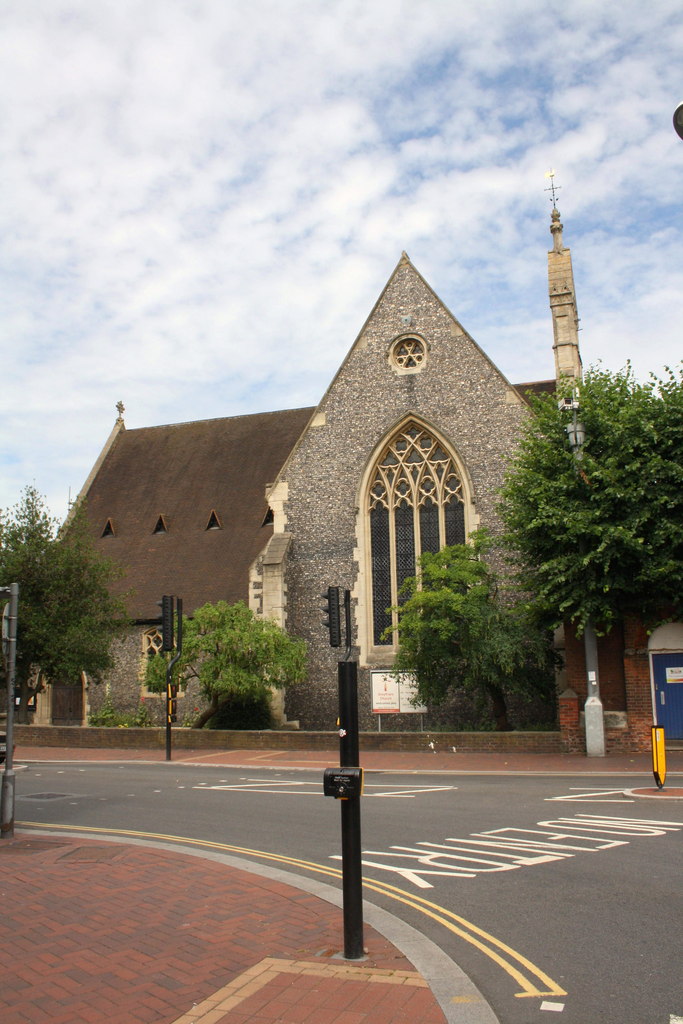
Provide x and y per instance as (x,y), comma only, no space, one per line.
(554,189)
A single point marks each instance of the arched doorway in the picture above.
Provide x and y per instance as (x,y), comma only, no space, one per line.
(665,647)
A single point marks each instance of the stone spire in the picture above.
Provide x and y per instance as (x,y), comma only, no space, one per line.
(563,305)
(556,230)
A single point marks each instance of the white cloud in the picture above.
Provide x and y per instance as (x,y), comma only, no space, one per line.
(202,201)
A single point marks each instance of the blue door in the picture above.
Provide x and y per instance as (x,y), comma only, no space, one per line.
(667,672)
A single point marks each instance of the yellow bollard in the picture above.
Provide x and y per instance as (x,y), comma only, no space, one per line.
(658,755)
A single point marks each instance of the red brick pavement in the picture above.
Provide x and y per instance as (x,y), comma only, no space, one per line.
(94,932)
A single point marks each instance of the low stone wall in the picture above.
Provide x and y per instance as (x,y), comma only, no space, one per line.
(215,739)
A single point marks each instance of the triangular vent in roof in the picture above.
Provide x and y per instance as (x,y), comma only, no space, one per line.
(161,526)
(108,530)
(269,518)
(214,522)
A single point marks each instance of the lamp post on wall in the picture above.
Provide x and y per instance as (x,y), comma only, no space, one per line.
(593,711)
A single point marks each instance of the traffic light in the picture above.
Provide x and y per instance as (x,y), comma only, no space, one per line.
(167,623)
(332,620)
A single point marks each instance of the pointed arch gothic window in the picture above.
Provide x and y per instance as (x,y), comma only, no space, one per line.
(415,504)
(151,642)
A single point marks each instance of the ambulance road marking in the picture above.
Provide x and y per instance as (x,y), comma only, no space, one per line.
(507,849)
(532,981)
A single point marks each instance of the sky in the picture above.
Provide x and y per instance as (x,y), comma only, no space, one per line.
(201,200)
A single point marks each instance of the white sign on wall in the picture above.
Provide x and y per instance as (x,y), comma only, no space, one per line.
(392,696)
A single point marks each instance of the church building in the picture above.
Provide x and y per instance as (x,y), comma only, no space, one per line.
(405,452)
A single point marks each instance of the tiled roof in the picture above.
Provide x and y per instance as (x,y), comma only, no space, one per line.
(183,473)
(159,488)
(538,387)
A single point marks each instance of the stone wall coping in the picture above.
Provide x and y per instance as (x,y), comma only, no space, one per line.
(287,739)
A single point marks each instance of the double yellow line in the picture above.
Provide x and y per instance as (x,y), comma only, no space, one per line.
(533,982)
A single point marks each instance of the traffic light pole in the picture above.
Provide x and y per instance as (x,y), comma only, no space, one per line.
(347,675)
(352,874)
(9,642)
(167,631)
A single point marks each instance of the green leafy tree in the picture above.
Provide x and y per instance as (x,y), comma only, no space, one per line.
(601,535)
(232,655)
(459,629)
(67,617)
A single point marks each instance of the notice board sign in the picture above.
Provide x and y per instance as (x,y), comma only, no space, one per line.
(393,696)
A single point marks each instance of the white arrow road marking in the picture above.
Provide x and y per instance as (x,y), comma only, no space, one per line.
(600,796)
(266,786)
(309,788)
(412,792)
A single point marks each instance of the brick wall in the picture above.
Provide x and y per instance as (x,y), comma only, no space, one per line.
(637,679)
(624,669)
(214,739)
(610,667)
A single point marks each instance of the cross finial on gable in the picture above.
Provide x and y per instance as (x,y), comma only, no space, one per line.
(120,408)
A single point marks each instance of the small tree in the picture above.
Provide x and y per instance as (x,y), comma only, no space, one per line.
(601,536)
(232,654)
(67,617)
(458,629)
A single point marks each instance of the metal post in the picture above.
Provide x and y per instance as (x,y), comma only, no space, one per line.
(169,673)
(348,714)
(594,718)
(169,676)
(352,877)
(8,775)
(593,712)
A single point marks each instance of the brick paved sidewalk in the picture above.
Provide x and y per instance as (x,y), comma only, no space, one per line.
(94,932)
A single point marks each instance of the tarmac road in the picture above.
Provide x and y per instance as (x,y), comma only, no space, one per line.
(583,927)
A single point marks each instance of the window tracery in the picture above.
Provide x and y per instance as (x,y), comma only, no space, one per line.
(151,642)
(408,354)
(415,504)
(151,645)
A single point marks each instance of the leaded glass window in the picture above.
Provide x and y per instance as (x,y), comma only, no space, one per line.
(415,504)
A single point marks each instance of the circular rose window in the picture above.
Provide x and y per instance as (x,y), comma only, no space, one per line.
(408,354)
